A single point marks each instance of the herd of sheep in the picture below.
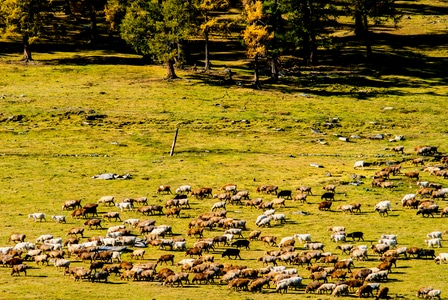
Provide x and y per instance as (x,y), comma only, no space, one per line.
(218,259)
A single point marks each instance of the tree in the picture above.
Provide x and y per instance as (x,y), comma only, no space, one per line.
(377,10)
(89,9)
(308,22)
(155,29)
(114,11)
(255,36)
(209,24)
(25,18)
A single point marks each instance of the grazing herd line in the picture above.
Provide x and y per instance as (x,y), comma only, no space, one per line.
(294,263)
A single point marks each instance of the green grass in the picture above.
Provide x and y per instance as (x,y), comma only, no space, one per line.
(50,148)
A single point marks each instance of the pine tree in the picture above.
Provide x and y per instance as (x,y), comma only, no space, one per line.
(155,29)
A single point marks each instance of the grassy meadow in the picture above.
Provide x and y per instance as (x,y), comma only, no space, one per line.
(70,115)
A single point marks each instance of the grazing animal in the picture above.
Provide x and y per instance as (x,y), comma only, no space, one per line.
(165,258)
(305,189)
(16,237)
(241,243)
(286,194)
(17,269)
(412,175)
(231,252)
(37,217)
(327,196)
(356,235)
(109,200)
(359,164)
(59,219)
(72,204)
(183,189)
(325,205)
(112,215)
(365,290)
(93,222)
(164,189)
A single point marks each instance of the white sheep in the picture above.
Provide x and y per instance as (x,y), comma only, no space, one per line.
(434,242)
(59,219)
(383,205)
(279,217)
(217,205)
(125,205)
(407,197)
(303,237)
(359,164)
(37,216)
(434,235)
(183,189)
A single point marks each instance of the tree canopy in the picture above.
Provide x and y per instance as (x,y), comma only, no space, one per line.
(156,29)
(25,19)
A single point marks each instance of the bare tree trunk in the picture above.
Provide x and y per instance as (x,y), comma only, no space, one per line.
(274,68)
(26,49)
(207,59)
(367,38)
(93,23)
(170,73)
(256,75)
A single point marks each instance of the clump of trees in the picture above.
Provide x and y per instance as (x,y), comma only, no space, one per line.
(158,29)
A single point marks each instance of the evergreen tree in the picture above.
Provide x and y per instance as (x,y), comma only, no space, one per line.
(155,29)
(378,11)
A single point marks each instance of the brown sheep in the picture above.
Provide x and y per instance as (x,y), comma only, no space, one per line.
(174,211)
(16,238)
(325,205)
(239,284)
(361,273)
(206,277)
(254,235)
(386,265)
(196,231)
(16,269)
(194,251)
(165,258)
(78,213)
(317,276)
(412,175)
(354,283)
(75,231)
(312,286)
(93,222)
(382,293)
(91,208)
(344,264)
(164,189)
(112,215)
(269,240)
(364,290)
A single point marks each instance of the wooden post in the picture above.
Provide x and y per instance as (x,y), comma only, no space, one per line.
(174,142)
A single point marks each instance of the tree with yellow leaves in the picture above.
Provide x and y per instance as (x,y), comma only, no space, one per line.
(256,34)
(209,24)
(25,18)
